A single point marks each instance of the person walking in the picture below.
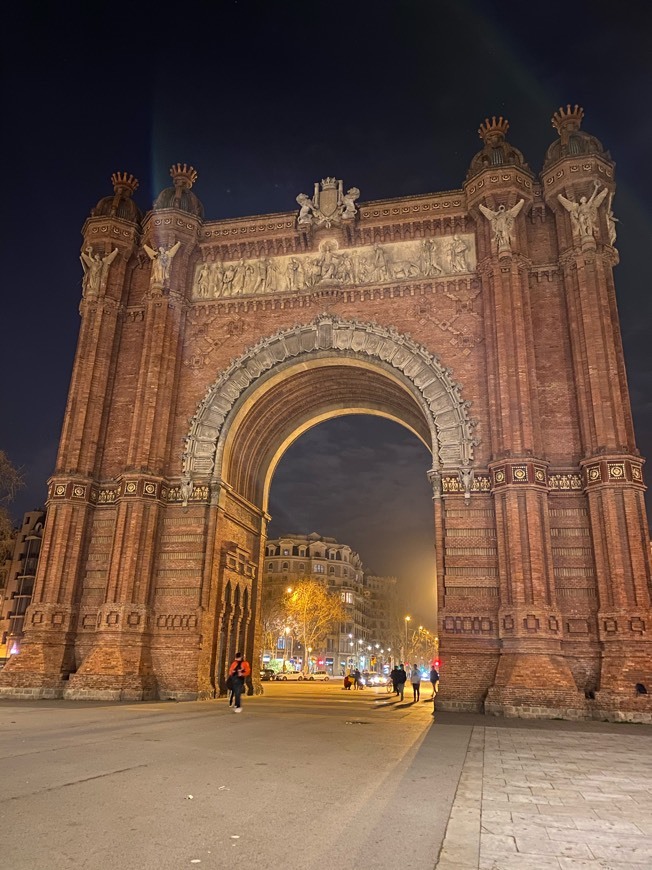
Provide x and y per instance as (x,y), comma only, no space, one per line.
(394,678)
(238,672)
(434,679)
(415,679)
(401,678)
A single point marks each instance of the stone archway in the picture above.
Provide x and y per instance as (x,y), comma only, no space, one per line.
(327,337)
(284,385)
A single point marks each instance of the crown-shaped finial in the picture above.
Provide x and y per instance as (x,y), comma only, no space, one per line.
(496,128)
(569,118)
(183,175)
(124,182)
(328,183)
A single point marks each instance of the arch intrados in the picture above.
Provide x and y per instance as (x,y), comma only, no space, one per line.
(277,413)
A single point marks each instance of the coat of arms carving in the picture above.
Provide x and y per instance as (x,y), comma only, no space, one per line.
(328,205)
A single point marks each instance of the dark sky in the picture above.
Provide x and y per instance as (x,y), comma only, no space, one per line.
(264,99)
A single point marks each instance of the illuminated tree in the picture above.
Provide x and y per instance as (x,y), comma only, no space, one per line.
(315,612)
(11,481)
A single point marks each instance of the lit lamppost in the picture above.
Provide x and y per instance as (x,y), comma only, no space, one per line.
(407,619)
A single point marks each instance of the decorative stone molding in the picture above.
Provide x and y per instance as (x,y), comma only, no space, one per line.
(454,484)
(610,471)
(519,473)
(449,421)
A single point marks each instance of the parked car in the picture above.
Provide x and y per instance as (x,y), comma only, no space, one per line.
(290,675)
(267,674)
(319,675)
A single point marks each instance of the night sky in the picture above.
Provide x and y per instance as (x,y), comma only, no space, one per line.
(264,99)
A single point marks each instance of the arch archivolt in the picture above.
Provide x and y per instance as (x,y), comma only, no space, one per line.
(364,368)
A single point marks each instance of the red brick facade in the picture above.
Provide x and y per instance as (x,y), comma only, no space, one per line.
(484,319)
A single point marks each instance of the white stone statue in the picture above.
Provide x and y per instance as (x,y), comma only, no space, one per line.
(348,203)
(95,270)
(502,224)
(306,210)
(584,214)
(161,262)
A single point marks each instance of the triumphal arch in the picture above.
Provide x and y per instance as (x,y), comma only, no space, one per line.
(483,319)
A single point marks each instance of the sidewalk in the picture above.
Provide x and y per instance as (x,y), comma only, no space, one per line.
(553,797)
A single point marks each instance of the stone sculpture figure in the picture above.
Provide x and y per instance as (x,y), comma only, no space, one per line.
(502,224)
(161,262)
(457,253)
(349,209)
(611,222)
(380,265)
(584,214)
(306,210)
(295,274)
(95,270)
(328,264)
(203,282)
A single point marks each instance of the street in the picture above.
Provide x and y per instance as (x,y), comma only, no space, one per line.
(307,774)
(311,776)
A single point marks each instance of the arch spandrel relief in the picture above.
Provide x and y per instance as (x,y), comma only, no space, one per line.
(332,265)
(439,396)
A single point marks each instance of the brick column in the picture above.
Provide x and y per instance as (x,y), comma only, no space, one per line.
(47,652)
(612,466)
(119,664)
(533,677)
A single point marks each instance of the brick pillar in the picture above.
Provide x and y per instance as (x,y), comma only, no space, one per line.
(611,464)
(119,663)
(533,677)
(47,652)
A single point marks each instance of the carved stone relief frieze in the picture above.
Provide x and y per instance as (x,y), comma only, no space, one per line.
(332,265)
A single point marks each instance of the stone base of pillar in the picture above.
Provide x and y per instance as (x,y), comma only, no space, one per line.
(114,672)
(40,670)
(535,686)
(465,677)
(618,707)
(625,693)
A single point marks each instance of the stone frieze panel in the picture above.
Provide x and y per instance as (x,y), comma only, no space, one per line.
(332,265)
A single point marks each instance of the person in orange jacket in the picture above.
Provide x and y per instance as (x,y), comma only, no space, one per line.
(238,672)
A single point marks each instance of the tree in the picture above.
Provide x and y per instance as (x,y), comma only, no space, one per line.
(272,615)
(11,480)
(315,611)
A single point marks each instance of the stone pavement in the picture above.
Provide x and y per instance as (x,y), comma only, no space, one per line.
(541,797)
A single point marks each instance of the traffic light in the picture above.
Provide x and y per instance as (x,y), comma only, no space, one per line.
(437,664)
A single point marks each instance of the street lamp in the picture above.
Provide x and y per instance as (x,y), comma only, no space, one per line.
(407,619)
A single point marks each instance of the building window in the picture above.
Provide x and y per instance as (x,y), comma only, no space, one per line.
(302,566)
(319,569)
(286,552)
(285,567)
(331,570)
(270,566)
(347,597)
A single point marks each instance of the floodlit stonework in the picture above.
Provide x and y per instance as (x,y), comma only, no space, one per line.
(483,319)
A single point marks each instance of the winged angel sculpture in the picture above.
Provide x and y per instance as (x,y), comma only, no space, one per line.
(502,224)
(95,270)
(161,262)
(584,214)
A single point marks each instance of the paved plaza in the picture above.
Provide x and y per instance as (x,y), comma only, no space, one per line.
(310,777)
